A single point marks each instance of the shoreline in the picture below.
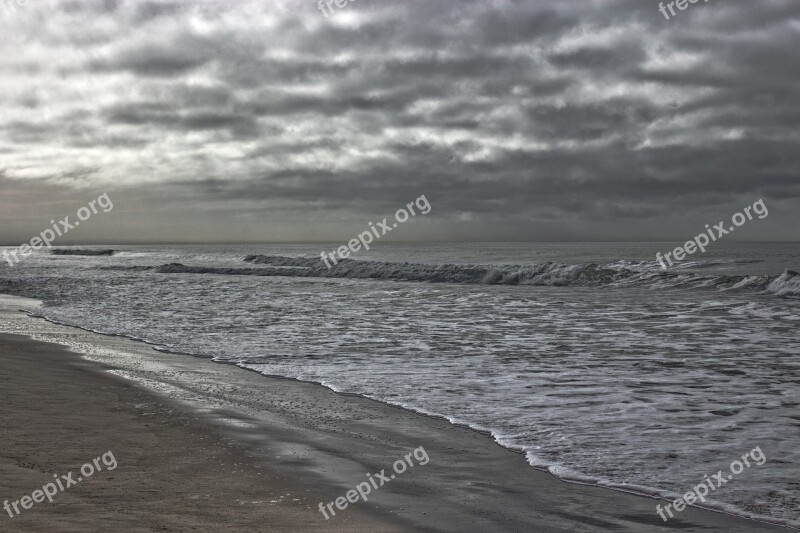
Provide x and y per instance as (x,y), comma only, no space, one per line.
(333,439)
(60,411)
(645,492)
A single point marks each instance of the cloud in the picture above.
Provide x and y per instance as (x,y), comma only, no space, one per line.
(601,115)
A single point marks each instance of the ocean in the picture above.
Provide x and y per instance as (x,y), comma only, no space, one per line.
(588,357)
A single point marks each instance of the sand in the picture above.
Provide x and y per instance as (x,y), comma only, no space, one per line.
(218,446)
(173,473)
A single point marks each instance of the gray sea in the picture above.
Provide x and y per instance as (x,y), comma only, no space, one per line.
(592,360)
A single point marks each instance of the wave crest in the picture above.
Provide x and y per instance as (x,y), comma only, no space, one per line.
(76,251)
(542,274)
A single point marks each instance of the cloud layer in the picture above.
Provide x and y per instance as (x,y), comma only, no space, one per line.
(517,119)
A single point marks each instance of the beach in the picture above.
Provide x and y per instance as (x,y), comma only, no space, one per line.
(202,445)
(174,473)
(506,266)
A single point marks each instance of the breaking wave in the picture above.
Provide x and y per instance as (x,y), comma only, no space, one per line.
(75,251)
(546,274)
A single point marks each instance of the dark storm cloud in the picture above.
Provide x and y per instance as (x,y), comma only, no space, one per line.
(517,119)
(155,59)
(596,58)
(166,117)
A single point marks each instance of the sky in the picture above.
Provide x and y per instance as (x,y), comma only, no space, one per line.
(273,121)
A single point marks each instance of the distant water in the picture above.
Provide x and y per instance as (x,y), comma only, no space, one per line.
(589,358)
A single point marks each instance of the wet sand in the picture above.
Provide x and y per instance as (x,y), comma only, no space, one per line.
(173,472)
(217,445)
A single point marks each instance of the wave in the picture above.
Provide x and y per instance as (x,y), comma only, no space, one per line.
(541,274)
(280,260)
(787,284)
(74,251)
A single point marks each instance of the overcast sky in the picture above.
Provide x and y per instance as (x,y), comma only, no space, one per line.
(518,120)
